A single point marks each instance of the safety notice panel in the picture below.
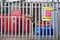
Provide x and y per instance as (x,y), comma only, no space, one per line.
(47,13)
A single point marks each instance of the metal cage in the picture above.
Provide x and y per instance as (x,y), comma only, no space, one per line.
(25,20)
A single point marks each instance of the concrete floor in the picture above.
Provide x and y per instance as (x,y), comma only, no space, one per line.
(20,38)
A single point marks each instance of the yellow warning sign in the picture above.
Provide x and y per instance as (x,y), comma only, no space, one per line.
(47,8)
(47,18)
(47,13)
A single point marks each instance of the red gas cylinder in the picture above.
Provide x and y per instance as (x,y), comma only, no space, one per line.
(48,23)
(40,23)
(17,13)
(5,25)
(44,23)
(16,25)
(14,13)
(26,25)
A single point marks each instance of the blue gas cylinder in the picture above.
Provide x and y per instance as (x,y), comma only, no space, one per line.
(47,30)
(37,30)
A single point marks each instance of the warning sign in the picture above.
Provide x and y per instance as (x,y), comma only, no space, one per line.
(47,13)
(16,12)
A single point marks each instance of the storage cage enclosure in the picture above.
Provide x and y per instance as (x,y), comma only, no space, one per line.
(34,20)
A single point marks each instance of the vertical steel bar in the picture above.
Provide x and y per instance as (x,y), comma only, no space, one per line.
(15,26)
(46,30)
(5,20)
(1,17)
(15,20)
(50,30)
(50,26)
(23,21)
(19,21)
(32,20)
(51,20)
(8,19)
(26,18)
(46,22)
(19,29)
(12,22)
(39,20)
(12,28)
(35,17)
(53,17)
(42,21)
(15,5)
(57,22)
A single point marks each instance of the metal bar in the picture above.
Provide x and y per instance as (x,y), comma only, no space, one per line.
(26,18)
(50,30)
(12,23)
(42,23)
(8,19)
(15,26)
(46,23)
(16,5)
(19,21)
(35,18)
(53,18)
(24,6)
(40,2)
(5,21)
(23,22)
(12,28)
(46,30)
(15,20)
(39,20)
(32,20)
(57,22)
(19,29)
(50,27)
(1,17)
